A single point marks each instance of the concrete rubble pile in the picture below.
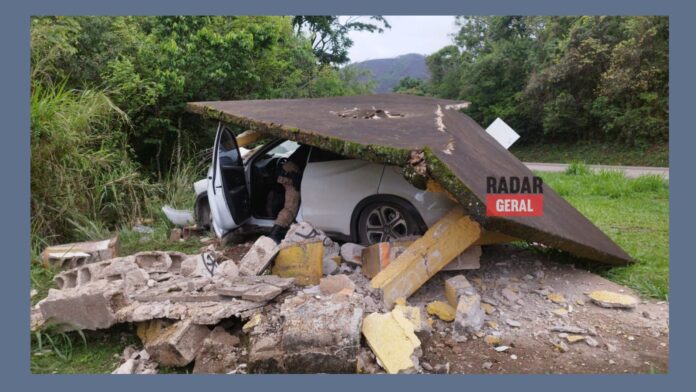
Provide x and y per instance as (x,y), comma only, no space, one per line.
(305,305)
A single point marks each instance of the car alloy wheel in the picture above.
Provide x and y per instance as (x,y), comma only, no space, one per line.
(385,223)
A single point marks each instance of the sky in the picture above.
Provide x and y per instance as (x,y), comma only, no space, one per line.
(408,34)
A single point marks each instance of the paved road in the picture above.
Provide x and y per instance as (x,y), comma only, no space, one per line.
(630,171)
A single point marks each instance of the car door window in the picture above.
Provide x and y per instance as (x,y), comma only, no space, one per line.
(227,150)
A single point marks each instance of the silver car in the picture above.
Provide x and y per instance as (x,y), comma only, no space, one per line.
(349,199)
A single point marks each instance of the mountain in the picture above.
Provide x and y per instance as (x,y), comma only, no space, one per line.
(388,72)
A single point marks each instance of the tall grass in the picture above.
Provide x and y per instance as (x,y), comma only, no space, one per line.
(83,180)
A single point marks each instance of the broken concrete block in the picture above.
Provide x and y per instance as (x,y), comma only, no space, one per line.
(227,270)
(378,256)
(67,256)
(321,335)
(261,293)
(469,315)
(468,260)
(609,299)
(304,262)
(393,341)
(457,286)
(330,264)
(336,283)
(352,253)
(303,232)
(265,353)
(135,278)
(446,239)
(177,344)
(92,306)
(442,310)
(257,259)
(153,261)
(218,353)
(203,264)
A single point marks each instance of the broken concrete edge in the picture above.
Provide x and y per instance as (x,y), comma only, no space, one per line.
(436,169)
(441,243)
(441,173)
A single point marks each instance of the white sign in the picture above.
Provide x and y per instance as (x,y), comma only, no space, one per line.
(502,132)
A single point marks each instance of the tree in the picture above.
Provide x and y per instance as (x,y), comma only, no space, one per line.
(602,78)
(411,86)
(329,35)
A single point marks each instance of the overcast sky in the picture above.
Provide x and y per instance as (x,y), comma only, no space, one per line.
(408,34)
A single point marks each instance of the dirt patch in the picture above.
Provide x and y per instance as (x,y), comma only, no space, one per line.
(518,283)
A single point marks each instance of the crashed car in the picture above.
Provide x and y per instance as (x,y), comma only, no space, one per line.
(349,199)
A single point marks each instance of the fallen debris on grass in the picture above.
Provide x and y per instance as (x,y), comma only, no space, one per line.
(77,254)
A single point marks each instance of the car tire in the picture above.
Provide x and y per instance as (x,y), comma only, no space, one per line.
(201,210)
(385,220)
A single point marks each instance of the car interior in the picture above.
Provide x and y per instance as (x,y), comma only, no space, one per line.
(267,195)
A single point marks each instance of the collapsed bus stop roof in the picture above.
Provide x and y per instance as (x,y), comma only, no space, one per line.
(459,154)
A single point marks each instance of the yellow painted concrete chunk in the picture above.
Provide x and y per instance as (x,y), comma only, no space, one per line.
(560,312)
(442,310)
(610,299)
(393,341)
(574,338)
(446,239)
(253,322)
(492,340)
(556,298)
(304,262)
(488,308)
(147,331)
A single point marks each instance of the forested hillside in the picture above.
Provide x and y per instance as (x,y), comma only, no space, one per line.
(386,73)
(559,79)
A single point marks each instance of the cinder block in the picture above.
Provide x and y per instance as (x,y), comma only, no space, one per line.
(76,254)
(377,257)
(457,286)
(177,344)
(321,335)
(257,259)
(93,306)
(304,262)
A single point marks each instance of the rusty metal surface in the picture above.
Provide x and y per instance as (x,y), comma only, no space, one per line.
(459,153)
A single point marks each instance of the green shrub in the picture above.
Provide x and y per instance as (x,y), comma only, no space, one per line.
(83,180)
(577,169)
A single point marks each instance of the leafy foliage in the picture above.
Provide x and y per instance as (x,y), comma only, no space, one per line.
(329,34)
(601,78)
(151,66)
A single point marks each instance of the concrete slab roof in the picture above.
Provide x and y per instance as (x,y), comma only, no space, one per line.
(458,154)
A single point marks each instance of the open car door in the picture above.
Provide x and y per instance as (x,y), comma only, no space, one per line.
(227,189)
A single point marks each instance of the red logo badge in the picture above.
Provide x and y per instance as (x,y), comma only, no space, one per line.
(514,196)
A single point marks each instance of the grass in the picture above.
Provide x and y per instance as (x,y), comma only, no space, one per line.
(632,212)
(594,153)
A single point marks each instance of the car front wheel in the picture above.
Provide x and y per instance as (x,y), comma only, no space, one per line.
(384,221)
